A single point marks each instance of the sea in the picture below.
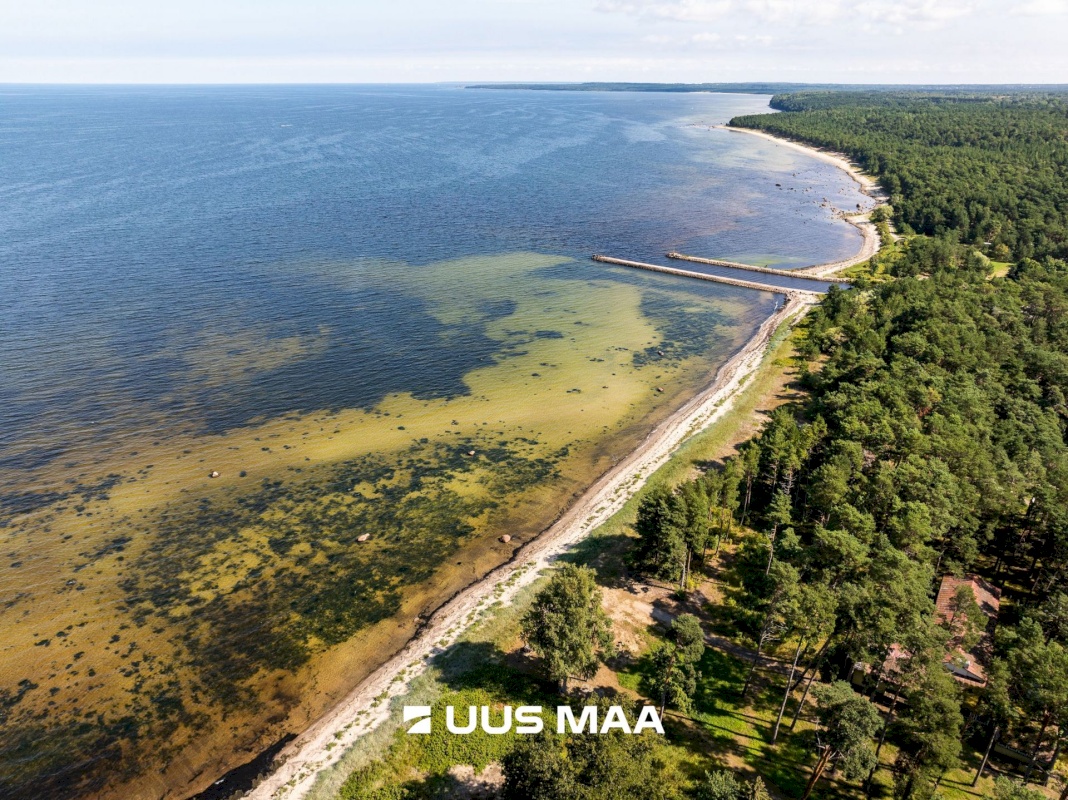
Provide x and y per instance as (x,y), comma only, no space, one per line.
(279,367)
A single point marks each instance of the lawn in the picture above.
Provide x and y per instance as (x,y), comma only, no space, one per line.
(999,269)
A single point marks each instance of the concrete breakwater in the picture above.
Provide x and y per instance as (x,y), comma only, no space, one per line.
(785,273)
(685,273)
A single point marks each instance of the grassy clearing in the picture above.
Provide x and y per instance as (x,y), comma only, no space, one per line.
(877,268)
(999,269)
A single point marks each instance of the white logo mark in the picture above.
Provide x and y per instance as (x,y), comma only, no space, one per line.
(421,713)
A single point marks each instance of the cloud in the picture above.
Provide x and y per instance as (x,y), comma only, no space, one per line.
(793,11)
(684,40)
(745,39)
(674,10)
(312,41)
(1041,8)
(800,12)
(915,12)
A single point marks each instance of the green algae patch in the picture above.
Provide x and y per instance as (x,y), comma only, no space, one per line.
(156,620)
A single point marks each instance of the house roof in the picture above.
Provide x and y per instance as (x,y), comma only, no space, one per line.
(969,666)
(986,595)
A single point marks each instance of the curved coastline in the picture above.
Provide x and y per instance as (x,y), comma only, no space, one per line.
(367,705)
(862,222)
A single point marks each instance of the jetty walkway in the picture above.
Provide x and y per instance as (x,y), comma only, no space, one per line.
(703,276)
(784,273)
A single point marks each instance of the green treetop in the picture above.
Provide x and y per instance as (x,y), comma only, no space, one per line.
(566,626)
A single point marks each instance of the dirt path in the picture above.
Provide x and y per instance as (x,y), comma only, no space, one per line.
(640,605)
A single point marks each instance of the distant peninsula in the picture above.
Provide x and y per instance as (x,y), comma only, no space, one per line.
(770,87)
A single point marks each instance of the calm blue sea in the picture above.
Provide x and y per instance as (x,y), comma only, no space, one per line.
(134,219)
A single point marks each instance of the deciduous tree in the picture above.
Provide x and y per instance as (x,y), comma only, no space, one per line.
(566,626)
(847,723)
(674,678)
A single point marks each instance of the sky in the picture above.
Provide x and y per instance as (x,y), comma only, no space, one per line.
(417,41)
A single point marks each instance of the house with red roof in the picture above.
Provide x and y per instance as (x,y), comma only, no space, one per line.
(968,608)
(972,641)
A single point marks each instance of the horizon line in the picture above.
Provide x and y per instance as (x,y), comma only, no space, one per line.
(479,83)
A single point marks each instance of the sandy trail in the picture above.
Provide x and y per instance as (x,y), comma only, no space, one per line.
(367,705)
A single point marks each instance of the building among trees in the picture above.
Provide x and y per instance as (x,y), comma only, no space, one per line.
(966,608)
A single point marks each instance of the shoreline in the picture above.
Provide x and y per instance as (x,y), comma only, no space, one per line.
(868,186)
(367,705)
